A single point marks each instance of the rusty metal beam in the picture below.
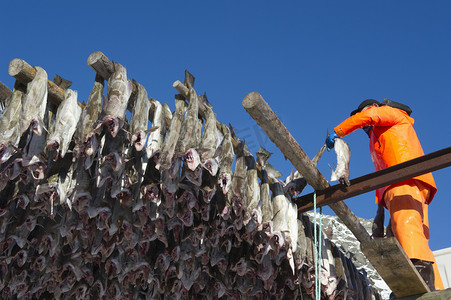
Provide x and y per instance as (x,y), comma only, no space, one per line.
(406,170)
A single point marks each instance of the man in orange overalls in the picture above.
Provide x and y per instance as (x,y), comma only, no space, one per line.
(392,141)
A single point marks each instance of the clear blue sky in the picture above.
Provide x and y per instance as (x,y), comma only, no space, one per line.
(312,61)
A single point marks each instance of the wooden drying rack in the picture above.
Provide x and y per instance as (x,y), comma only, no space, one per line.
(386,255)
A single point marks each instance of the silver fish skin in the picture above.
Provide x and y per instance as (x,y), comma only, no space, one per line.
(210,143)
(139,119)
(34,158)
(226,160)
(341,172)
(156,137)
(280,205)
(35,103)
(188,136)
(112,151)
(10,125)
(86,136)
(119,188)
(265,195)
(293,229)
(67,117)
(172,137)
(238,197)
(189,139)
(328,267)
(253,208)
(301,251)
(119,90)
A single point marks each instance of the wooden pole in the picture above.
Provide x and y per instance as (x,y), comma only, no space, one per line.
(260,111)
(24,73)
(397,173)
(101,64)
(5,92)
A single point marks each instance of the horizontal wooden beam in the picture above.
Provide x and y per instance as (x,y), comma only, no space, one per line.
(265,117)
(406,170)
(101,64)
(24,73)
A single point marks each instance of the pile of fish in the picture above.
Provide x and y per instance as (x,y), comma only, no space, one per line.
(97,204)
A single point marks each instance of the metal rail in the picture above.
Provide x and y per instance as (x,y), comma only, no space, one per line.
(406,170)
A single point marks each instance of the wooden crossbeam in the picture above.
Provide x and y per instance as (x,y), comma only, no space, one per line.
(406,170)
(24,73)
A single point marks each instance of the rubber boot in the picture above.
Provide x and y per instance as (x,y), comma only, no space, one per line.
(378,223)
(426,271)
(389,232)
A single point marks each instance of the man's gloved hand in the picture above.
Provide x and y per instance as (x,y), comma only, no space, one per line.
(330,141)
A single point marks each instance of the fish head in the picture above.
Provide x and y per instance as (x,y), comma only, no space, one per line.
(22,201)
(192,159)
(36,126)
(267,228)
(276,241)
(38,170)
(151,192)
(195,176)
(256,216)
(138,139)
(205,212)
(208,194)
(112,123)
(90,144)
(188,218)
(31,222)
(127,230)
(5,152)
(224,182)
(212,166)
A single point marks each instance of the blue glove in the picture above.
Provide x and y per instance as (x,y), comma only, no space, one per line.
(330,141)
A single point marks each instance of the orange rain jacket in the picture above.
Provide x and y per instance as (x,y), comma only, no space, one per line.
(392,140)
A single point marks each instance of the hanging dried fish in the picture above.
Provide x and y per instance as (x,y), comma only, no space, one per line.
(226,160)
(35,103)
(136,231)
(139,119)
(67,117)
(115,106)
(9,126)
(156,137)
(210,143)
(189,142)
(88,142)
(172,137)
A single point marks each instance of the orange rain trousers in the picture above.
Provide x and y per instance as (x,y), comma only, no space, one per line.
(406,202)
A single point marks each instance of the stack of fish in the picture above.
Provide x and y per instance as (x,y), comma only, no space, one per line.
(89,210)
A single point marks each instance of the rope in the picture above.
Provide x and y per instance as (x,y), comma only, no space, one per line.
(317,255)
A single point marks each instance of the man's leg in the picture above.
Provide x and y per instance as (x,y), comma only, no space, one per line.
(407,209)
